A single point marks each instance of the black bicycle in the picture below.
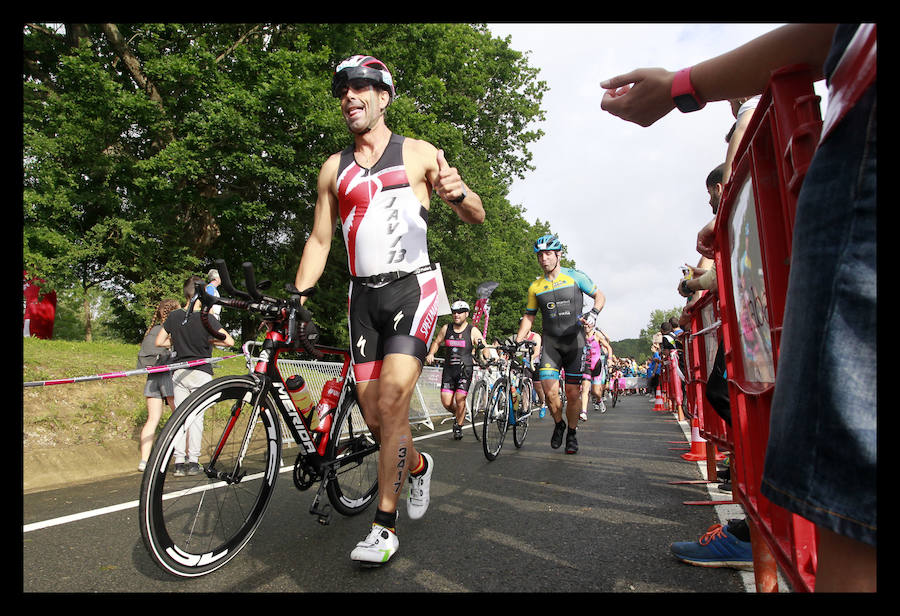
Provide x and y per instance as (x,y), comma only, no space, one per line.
(194,525)
(479,397)
(510,401)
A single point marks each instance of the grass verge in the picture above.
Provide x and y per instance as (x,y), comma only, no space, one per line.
(95,412)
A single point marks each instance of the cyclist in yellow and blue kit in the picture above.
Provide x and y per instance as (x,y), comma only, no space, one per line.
(558,294)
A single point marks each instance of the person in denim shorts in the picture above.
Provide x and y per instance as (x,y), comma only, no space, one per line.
(821,460)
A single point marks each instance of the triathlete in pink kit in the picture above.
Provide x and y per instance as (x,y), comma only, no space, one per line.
(460,338)
(380,188)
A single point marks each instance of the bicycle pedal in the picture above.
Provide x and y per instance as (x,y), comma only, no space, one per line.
(323,512)
(324,515)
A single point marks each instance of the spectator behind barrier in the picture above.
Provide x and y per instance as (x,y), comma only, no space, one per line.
(727,546)
(832,295)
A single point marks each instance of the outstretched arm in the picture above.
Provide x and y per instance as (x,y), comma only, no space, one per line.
(643,96)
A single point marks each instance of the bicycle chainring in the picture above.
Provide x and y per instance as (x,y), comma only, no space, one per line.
(304,475)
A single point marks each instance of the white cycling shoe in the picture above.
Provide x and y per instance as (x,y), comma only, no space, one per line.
(420,491)
(377,548)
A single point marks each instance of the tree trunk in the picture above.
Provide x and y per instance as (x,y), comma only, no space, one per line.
(86,303)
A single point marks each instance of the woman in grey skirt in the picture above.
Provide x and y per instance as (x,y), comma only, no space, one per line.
(159,386)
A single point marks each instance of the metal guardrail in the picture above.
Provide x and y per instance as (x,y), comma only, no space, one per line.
(424,406)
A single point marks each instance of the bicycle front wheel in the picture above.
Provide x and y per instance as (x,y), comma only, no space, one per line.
(523,412)
(193,523)
(479,402)
(496,420)
(355,453)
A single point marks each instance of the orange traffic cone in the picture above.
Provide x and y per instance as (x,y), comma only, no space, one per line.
(698,445)
(660,404)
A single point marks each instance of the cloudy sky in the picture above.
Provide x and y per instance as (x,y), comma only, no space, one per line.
(627,201)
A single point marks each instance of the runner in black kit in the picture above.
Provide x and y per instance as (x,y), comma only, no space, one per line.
(380,189)
(461,338)
(558,294)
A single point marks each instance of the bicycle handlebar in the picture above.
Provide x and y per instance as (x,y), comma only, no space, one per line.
(509,348)
(300,328)
(512,347)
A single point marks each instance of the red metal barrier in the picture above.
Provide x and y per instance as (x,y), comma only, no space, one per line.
(753,235)
(676,397)
(669,382)
(700,353)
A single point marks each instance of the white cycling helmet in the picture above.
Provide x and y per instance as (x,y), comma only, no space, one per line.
(363,67)
(459,306)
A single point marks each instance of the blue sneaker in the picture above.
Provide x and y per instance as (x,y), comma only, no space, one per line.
(543,412)
(716,548)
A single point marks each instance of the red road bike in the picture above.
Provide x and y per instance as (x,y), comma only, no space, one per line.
(193,525)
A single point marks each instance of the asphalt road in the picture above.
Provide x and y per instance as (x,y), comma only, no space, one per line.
(535,520)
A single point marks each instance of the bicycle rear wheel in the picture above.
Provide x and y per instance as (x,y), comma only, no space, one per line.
(193,525)
(479,402)
(496,420)
(355,484)
(523,412)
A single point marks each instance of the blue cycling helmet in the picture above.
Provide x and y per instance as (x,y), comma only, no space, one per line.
(362,67)
(547,242)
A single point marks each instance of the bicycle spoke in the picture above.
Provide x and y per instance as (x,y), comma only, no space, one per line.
(354,486)
(196,523)
(523,412)
(495,424)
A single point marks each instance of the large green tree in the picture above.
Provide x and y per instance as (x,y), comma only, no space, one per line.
(151,149)
(657,317)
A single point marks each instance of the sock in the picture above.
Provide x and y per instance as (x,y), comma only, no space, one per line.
(739,529)
(388,520)
(419,468)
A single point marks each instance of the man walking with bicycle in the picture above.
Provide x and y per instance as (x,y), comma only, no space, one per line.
(461,339)
(558,294)
(380,188)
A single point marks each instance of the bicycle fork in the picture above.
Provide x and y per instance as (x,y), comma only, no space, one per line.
(236,474)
